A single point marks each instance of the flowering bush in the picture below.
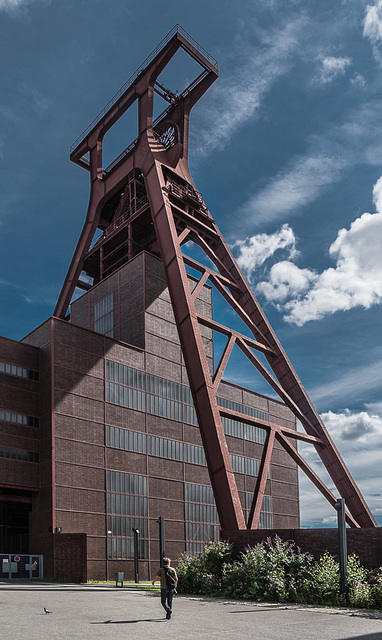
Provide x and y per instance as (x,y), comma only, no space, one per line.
(202,574)
(375,579)
(323,583)
(359,588)
(277,571)
(272,570)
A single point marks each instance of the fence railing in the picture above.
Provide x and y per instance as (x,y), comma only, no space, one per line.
(21,567)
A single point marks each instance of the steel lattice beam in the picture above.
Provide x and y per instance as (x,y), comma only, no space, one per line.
(179,214)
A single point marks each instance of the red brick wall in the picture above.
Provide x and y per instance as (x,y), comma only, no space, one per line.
(70,559)
(365,543)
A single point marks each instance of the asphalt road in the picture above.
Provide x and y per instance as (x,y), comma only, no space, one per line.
(95,611)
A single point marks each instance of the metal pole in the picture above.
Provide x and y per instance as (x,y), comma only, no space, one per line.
(136,551)
(162,552)
(342,545)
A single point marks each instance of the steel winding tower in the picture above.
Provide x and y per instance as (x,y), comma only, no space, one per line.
(146,200)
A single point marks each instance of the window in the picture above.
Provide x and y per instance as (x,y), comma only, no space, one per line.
(154,445)
(189,413)
(18,418)
(19,454)
(127,506)
(20,372)
(265,520)
(104,316)
(145,392)
(172,449)
(201,517)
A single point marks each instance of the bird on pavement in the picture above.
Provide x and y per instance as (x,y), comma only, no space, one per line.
(47,610)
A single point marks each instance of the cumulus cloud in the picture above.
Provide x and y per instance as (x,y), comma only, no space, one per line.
(253,251)
(332,68)
(375,406)
(358,436)
(356,280)
(362,427)
(286,280)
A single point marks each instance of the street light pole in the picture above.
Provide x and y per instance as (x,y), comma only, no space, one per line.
(162,552)
(342,545)
(136,551)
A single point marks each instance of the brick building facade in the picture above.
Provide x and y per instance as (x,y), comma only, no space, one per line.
(99,435)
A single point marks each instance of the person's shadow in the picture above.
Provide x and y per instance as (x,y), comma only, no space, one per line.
(131,621)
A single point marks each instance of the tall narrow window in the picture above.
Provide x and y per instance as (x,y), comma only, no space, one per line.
(266,519)
(201,517)
(127,505)
(103,316)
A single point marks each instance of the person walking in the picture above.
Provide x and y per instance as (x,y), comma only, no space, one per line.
(168,581)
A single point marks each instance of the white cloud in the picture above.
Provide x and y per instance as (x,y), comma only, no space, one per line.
(372,27)
(356,381)
(356,280)
(286,280)
(376,407)
(363,427)
(358,80)
(332,68)
(328,156)
(358,436)
(255,250)
(296,186)
(235,99)
(12,5)
(329,520)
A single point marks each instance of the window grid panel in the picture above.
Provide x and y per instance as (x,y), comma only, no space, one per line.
(242,408)
(201,517)
(104,316)
(19,454)
(127,509)
(133,388)
(138,442)
(16,370)
(266,518)
(19,418)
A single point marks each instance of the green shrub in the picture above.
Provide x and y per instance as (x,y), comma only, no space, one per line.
(277,571)
(202,574)
(375,580)
(323,582)
(359,589)
(272,570)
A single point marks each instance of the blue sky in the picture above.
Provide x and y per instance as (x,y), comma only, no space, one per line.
(286,148)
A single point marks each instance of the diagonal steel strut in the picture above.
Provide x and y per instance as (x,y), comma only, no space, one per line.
(179,214)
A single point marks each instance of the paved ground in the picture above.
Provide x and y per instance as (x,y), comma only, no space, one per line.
(95,611)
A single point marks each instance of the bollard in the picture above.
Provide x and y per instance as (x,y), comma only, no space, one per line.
(119,577)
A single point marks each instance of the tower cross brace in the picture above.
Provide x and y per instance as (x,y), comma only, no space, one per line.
(146,200)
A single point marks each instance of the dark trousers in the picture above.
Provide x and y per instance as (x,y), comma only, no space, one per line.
(166,596)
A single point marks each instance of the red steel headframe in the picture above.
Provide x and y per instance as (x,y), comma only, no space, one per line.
(179,215)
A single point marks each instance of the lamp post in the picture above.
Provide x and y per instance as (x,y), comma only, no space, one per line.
(342,545)
(136,551)
(162,552)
